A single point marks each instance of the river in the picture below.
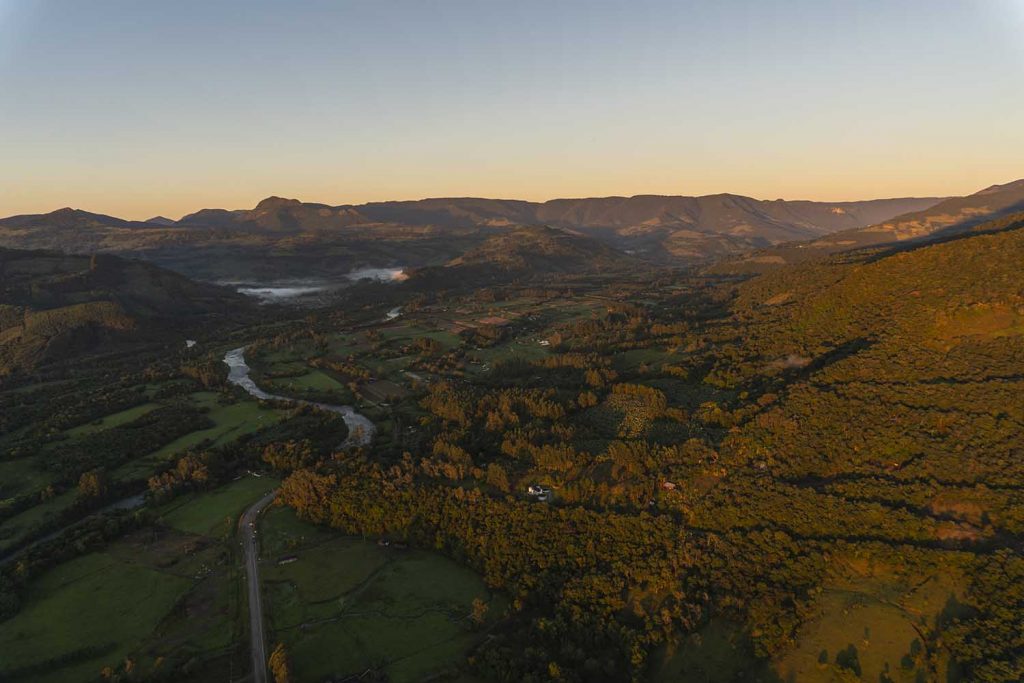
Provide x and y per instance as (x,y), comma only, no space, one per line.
(360,428)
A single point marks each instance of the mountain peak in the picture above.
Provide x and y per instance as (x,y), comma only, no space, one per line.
(272,203)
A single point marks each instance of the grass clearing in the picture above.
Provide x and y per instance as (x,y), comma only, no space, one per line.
(633,359)
(215,513)
(345,604)
(230,422)
(110,421)
(14,529)
(718,653)
(316,380)
(94,601)
(877,618)
(344,345)
(521,349)
(21,476)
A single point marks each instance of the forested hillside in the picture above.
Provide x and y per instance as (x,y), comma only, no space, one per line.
(53,305)
(754,459)
(987,209)
(811,474)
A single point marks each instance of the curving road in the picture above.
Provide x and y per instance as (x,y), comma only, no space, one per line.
(250,549)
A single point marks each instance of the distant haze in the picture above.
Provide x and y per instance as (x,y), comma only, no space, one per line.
(144,109)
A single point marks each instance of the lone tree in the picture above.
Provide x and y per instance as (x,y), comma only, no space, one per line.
(479,613)
(280,666)
(92,484)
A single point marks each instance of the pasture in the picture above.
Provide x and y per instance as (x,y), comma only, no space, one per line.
(64,607)
(345,605)
(214,513)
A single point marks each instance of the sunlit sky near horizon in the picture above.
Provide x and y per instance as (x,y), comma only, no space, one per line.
(144,108)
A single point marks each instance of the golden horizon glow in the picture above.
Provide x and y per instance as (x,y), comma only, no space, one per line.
(145,207)
(138,109)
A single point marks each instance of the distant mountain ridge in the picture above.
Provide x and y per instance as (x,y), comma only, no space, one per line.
(313,238)
(950,217)
(65,218)
(721,213)
(736,219)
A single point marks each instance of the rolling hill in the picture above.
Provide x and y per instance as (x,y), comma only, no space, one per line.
(54,305)
(545,249)
(521,253)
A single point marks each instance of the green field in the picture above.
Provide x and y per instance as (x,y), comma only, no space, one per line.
(408,332)
(521,349)
(94,601)
(14,529)
(346,605)
(717,653)
(631,360)
(311,380)
(343,345)
(165,593)
(214,513)
(115,420)
(21,476)
(230,422)
(877,617)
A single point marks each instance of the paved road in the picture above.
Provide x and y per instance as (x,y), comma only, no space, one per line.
(250,548)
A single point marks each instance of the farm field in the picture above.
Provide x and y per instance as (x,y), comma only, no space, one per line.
(344,605)
(115,420)
(231,421)
(170,592)
(873,622)
(129,596)
(14,529)
(214,513)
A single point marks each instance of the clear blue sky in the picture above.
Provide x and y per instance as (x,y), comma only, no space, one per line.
(141,108)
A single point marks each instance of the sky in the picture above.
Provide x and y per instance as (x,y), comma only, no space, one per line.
(143,108)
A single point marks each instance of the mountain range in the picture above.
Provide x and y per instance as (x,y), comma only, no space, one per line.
(320,239)
(281,238)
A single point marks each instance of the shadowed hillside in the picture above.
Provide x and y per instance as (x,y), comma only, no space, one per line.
(523,253)
(542,249)
(54,305)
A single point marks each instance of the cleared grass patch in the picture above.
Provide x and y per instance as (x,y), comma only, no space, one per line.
(114,420)
(345,605)
(230,422)
(718,653)
(21,476)
(14,529)
(872,621)
(526,350)
(315,380)
(92,603)
(215,513)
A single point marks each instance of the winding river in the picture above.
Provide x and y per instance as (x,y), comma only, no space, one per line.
(360,428)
